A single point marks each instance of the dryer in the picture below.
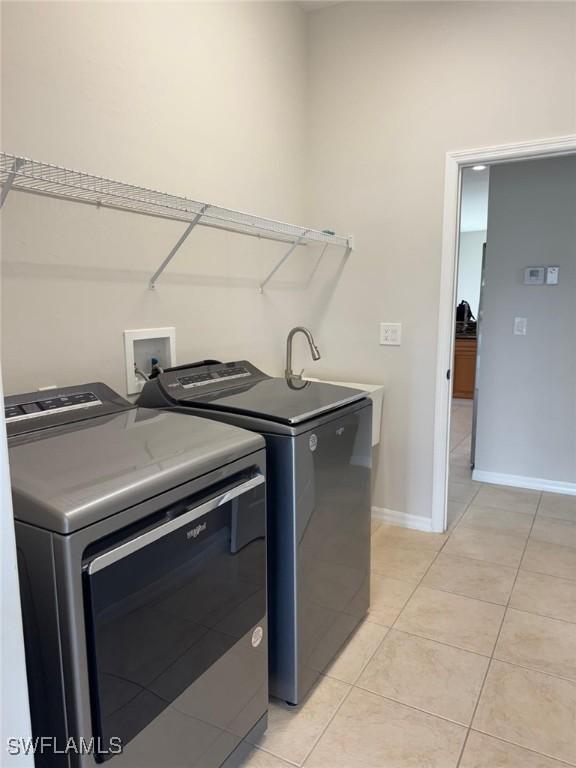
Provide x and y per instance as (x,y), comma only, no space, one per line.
(318,442)
(142,565)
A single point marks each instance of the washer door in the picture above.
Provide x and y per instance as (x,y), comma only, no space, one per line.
(176,617)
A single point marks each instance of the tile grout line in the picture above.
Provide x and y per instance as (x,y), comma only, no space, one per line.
(412,706)
(443,642)
(419,583)
(518,745)
(528,749)
(550,575)
(470,501)
(323,731)
(466,508)
(506,609)
(351,688)
(461,594)
(393,626)
(542,615)
(273,754)
(458,444)
(443,717)
(545,673)
(479,560)
(353,685)
(413,587)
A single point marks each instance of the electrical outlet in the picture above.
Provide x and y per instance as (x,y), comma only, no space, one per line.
(391,334)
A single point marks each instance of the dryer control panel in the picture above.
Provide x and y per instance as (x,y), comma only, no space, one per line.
(54,407)
(38,407)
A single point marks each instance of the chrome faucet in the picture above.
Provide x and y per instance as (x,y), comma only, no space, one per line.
(289,373)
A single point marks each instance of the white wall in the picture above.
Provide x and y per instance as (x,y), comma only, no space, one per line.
(470,268)
(201,99)
(341,124)
(527,384)
(393,87)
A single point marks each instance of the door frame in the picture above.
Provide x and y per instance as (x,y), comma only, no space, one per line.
(454,165)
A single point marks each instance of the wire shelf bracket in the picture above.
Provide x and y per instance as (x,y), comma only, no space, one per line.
(174,251)
(7,185)
(284,258)
(24,175)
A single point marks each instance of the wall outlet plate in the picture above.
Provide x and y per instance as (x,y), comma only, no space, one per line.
(140,346)
(391,334)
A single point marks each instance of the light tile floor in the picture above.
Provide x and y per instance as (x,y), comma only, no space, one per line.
(467,658)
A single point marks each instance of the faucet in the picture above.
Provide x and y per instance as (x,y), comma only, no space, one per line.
(313,349)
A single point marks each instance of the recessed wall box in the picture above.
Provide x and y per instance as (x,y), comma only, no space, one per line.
(141,347)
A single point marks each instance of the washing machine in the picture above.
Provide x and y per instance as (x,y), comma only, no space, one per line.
(142,565)
(318,442)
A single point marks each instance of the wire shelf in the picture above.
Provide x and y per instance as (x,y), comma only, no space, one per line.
(23,174)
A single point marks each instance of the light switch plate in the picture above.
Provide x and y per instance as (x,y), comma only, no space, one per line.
(391,334)
(552,274)
(520,326)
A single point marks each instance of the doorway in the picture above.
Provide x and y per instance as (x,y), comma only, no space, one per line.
(457,165)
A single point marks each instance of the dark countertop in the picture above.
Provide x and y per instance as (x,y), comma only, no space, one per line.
(466,330)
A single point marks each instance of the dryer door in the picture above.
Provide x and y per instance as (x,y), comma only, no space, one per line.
(176,625)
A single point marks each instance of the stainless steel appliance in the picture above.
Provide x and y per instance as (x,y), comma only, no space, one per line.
(142,562)
(318,441)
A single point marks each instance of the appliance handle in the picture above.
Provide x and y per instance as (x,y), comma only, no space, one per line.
(191,514)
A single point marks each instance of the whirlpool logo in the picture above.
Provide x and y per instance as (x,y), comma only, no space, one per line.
(193,533)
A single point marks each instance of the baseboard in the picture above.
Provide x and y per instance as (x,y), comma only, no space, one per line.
(519,481)
(403,519)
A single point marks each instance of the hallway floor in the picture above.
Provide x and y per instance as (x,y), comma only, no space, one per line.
(468,655)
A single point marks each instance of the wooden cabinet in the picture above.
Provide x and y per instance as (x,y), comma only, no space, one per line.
(464,369)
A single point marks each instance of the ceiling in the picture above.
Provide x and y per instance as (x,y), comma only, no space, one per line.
(474,207)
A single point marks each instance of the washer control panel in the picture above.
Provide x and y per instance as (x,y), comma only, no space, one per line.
(217,375)
(198,381)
